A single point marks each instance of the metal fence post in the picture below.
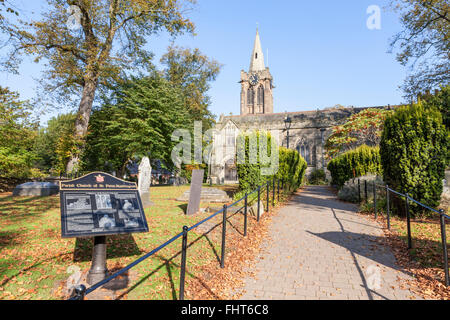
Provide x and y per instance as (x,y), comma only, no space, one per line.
(408,222)
(79,292)
(278,189)
(183,261)
(245,214)
(365,189)
(268,195)
(375,199)
(444,248)
(259,204)
(224,231)
(273,192)
(359,190)
(388,208)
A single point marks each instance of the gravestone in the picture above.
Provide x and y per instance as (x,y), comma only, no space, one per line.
(253,210)
(40,189)
(195,192)
(209,195)
(97,205)
(145,181)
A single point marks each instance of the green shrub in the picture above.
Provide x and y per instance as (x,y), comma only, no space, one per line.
(291,166)
(413,152)
(317,177)
(355,163)
(249,174)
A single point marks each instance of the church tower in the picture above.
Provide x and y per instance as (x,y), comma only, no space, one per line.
(256,84)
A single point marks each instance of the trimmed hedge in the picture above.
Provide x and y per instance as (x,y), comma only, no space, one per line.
(291,166)
(413,148)
(355,163)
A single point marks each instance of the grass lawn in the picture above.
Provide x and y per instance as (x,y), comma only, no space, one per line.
(34,259)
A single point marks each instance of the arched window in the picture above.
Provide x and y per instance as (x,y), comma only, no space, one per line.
(231,170)
(261,95)
(305,151)
(250,96)
(230,136)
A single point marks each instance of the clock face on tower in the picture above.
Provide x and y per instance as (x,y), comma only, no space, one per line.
(254,79)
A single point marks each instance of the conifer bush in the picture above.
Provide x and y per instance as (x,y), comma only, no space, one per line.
(291,166)
(355,163)
(413,149)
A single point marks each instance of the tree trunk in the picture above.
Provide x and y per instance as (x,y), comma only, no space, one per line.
(82,122)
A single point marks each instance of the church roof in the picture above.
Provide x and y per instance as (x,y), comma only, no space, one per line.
(331,113)
(257,60)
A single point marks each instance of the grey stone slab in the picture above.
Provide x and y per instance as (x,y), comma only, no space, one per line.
(40,189)
(208,195)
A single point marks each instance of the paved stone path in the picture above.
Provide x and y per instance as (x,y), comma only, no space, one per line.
(321,249)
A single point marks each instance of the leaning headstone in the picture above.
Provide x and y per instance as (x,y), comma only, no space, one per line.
(195,192)
(445,197)
(145,181)
(253,210)
(40,189)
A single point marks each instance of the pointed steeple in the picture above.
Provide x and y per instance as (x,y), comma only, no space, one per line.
(257,61)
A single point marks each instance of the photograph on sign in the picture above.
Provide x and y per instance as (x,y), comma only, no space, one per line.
(78,203)
(103,201)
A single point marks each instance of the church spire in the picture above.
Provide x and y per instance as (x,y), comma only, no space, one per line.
(257,61)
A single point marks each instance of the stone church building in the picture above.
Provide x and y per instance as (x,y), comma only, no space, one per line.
(307,133)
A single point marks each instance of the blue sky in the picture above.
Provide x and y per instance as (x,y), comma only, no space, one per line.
(321,53)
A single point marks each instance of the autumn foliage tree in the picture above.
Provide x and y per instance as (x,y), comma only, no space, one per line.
(89,44)
(137,120)
(424,44)
(363,128)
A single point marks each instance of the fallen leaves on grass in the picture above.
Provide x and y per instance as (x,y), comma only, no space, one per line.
(426,263)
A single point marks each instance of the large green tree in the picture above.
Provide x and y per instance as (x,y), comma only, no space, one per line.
(90,44)
(54,143)
(137,120)
(424,44)
(193,72)
(440,100)
(17,131)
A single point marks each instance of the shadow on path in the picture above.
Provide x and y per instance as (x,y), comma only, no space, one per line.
(362,245)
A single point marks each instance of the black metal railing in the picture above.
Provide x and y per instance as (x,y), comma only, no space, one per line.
(443,217)
(81,291)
